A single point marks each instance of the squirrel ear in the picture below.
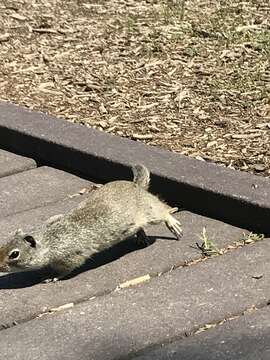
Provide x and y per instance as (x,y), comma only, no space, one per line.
(19,232)
(32,242)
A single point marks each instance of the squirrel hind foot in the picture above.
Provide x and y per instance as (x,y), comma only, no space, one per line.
(174,226)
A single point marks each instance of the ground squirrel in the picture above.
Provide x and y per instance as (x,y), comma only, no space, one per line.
(110,214)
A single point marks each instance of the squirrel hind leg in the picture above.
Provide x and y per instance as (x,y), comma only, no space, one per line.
(142,239)
(56,275)
(174,226)
(63,268)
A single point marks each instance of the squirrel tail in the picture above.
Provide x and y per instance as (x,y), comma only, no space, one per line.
(141,176)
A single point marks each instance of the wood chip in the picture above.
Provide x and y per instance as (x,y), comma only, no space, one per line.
(44,31)
(102,109)
(62,307)
(142,136)
(245,136)
(4,37)
(18,17)
(135,281)
(211,143)
(243,28)
(263,125)
(257,277)
(44,88)
(259,167)
(147,107)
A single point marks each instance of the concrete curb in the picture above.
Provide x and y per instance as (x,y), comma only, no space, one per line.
(238,198)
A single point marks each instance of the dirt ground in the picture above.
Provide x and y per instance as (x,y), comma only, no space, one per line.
(190,76)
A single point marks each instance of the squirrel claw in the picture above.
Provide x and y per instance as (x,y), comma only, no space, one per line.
(46,281)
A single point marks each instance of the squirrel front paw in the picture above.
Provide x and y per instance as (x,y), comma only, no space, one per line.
(49,280)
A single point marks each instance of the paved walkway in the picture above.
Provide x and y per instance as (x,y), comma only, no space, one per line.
(166,301)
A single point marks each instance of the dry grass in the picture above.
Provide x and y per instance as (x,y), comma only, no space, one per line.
(191,76)
(207,247)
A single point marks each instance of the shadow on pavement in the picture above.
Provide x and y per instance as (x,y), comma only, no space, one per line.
(30,278)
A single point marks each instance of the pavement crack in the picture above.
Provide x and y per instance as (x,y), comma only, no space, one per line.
(81,193)
(138,281)
(249,240)
(194,332)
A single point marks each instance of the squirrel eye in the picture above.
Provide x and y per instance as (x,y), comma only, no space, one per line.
(14,254)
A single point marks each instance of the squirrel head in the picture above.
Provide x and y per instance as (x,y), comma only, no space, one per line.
(20,253)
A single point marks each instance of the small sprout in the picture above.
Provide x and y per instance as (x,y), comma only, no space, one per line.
(207,247)
(251,238)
